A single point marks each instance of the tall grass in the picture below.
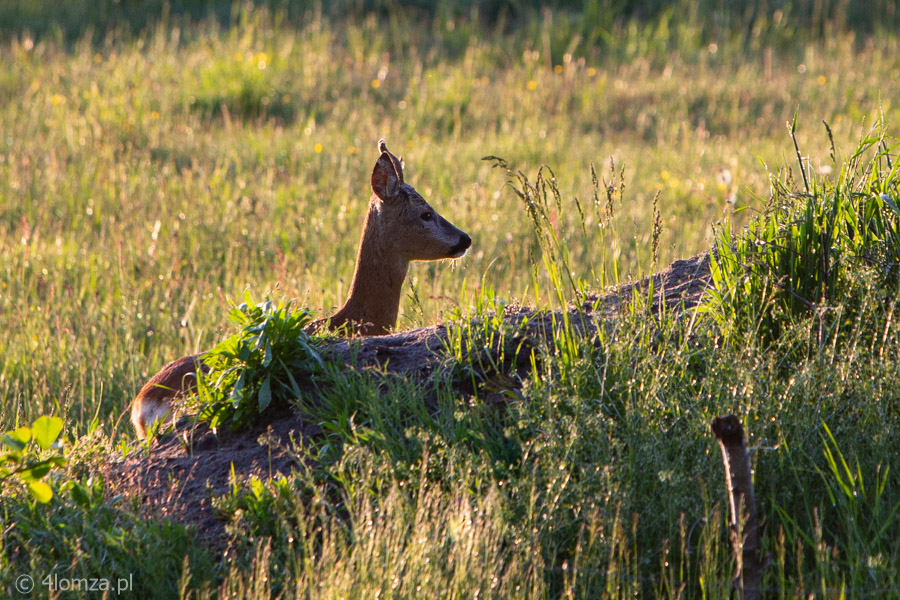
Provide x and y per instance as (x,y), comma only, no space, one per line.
(595,477)
(180,171)
(148,177)
(820,251)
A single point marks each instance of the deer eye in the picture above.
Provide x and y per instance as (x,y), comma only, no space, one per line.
(427,216)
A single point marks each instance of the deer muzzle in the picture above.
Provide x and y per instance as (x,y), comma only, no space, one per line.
(461,246)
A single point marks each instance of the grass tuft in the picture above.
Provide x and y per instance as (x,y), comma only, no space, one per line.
(818,252)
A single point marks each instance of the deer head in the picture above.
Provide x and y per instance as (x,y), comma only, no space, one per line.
(406,221)
(400,227)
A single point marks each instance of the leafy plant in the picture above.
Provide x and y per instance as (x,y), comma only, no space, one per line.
(256,502)
(257,365)
(29,455)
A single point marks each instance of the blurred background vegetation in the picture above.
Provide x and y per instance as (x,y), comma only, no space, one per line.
(71,18)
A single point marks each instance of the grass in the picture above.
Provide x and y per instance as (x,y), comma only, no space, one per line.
(835,240)
(148,177)
(148,210)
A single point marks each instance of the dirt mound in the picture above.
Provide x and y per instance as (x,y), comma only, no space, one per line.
(183,471)
(678,286)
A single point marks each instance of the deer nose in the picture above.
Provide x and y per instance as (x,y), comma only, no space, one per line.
(461,246)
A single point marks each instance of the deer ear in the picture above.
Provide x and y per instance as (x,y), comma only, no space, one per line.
(397,162)
(387,175)
(385,182)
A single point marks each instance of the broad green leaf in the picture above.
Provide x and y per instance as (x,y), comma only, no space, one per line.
(16,439)
(41,491)
(237,394)
(294,387)
(36,472)
(12,444)
(46,430)
(265,393)
(267,358)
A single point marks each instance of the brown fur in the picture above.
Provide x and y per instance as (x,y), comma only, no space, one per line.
(400,227)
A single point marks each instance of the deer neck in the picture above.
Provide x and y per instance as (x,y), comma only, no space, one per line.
(374,299)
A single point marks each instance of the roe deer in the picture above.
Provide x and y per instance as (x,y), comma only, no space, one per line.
(400,227)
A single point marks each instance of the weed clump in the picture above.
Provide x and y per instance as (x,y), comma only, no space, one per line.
(258,364)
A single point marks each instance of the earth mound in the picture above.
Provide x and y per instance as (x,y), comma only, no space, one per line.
(185,469)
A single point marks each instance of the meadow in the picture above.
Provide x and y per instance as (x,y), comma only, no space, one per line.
(149,175)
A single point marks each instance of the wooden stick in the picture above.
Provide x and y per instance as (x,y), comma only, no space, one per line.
(744,522)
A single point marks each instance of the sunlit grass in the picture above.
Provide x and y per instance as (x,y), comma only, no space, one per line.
(145,179)
(144,182)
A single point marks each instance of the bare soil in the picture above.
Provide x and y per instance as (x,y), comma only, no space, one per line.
(184,470)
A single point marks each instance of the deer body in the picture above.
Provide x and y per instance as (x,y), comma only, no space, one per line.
(400,227)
